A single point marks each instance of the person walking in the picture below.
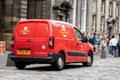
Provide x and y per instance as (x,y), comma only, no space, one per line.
(103,44)
(113,44)
(109,46)
(94,42)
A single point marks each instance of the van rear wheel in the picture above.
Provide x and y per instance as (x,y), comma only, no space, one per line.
(59,63)
(20,65)
(89,60)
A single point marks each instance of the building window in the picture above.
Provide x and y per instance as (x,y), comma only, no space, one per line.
(73,12)
(39,9)
(117,26)
(94,6)
(8,20)
(117,10)
(103,7)
(102,24)
(23,9)
(110,8)
(1,16)
(83,15)
(94,23)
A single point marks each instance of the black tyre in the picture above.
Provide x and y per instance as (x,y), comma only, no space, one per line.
(59,63)
(20,65)
(89,60)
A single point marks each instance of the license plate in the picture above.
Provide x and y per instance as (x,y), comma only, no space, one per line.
(26,52)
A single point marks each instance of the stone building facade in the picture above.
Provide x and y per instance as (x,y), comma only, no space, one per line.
(99,16)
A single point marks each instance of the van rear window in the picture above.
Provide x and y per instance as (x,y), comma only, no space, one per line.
(25,29)
(32,29)
(42,29)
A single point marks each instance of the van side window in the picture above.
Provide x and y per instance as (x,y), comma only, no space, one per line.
(78,34)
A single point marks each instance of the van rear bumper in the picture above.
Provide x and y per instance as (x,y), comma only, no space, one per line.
(26,59)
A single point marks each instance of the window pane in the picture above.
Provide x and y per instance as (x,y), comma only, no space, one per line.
(83,15)
(102,23)
(94,23)
(78,34)
(8,27)
(103,6)
(117,10)
(110,8)
(94,6)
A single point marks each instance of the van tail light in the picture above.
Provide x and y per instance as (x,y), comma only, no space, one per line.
(51,42)
(12,42)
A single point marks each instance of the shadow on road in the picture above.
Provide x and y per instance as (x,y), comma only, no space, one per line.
(49,68)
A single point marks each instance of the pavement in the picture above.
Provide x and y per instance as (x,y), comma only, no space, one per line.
(4,59)
(102,69)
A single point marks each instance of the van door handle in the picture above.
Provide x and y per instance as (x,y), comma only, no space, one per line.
(28,41)
(77,44)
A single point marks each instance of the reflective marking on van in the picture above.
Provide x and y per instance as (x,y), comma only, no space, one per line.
(25,30)
(43,46)
(64,36)
(64,32)
(63,28)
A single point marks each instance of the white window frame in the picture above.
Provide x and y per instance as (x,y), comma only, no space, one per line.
(93,22)
(94,6)
(103,6)
(102,23)
(73,12)
(110,8)
(117,26)
(83,15)
(117,10)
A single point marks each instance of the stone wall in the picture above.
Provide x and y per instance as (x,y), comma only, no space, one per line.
(7,37)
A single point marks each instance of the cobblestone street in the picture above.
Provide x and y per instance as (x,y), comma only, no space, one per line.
(102,69)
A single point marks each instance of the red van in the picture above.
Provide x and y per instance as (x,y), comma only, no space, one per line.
(49,41)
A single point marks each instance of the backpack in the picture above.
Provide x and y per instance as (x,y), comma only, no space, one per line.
(91,40)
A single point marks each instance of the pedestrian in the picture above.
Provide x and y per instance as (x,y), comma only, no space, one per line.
(109,46)
(87,36)
(113,44)
(94,42)
(103,44)
(90,40)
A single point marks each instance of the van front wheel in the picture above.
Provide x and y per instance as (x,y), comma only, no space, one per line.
(59,63)
(89,60)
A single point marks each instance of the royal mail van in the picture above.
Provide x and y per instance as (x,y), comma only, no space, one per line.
(49,41)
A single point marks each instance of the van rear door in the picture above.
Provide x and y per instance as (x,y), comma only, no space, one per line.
(24,38)
(41,39)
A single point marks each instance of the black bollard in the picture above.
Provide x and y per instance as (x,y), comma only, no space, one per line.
(9,61)
(118,45)
(116,53)
(103,54)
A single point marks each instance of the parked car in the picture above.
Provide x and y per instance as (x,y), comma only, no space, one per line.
(49,41)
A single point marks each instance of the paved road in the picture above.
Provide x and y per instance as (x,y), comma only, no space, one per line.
(102,69)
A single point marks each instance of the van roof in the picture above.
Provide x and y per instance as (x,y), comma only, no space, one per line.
(48,20)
